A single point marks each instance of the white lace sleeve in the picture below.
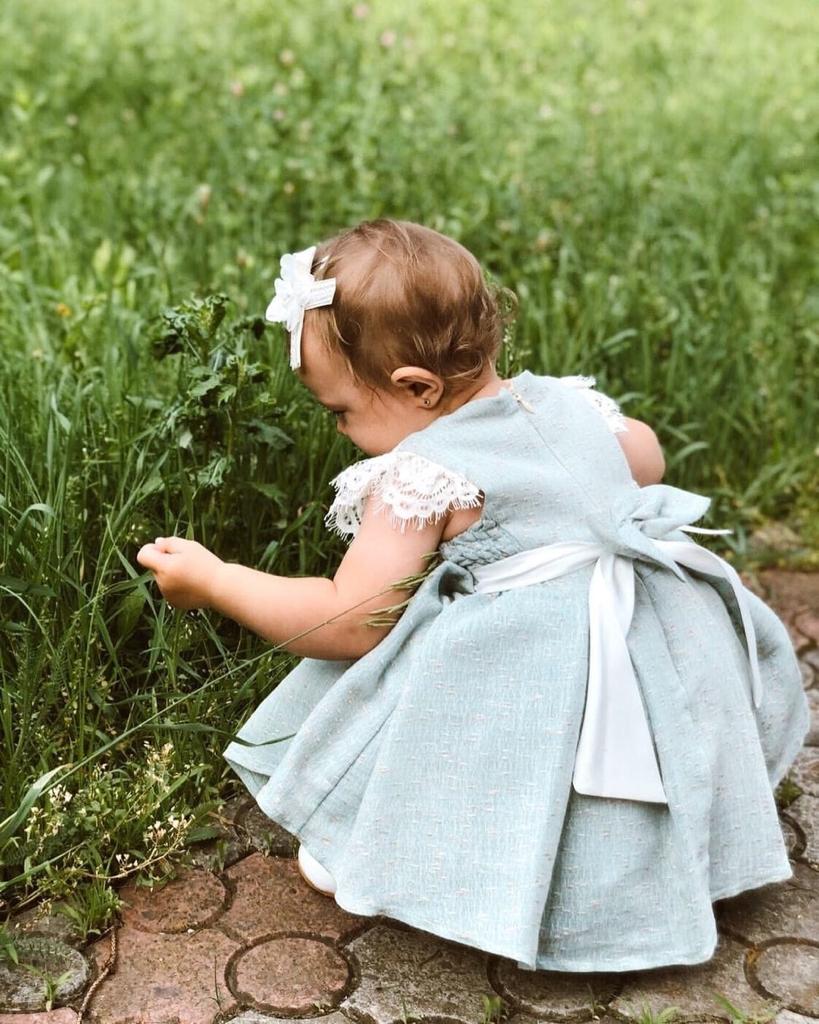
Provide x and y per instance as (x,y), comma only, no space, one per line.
(415,490)
(605,405)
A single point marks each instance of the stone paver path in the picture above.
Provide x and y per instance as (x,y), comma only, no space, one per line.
(244,939)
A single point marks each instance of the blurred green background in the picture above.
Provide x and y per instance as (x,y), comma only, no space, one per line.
(643,175)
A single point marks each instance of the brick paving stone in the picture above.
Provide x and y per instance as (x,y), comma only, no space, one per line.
(807,623)
(268,836)
(789,591)
(788,908)
(64,1015)
(805,770)
(805,812)
(160,977)
(409,971)
(271,896)
(254,1017)
(789,1017)
(190,901)
(789,972)
(791,594)
(556,995)
(693,988)
(289,974)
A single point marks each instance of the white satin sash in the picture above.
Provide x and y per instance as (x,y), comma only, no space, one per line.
(615,754)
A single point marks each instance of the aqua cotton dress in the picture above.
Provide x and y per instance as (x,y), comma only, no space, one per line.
(432,777)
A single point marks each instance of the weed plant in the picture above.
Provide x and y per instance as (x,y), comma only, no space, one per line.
(642,175)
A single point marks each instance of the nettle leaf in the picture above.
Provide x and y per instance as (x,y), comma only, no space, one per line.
(210,312)
(226,392)
(255,324)
(213,474)
(255,372)
(177,325)
(209,382)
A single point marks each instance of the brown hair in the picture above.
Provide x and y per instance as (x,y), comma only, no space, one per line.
(407,295)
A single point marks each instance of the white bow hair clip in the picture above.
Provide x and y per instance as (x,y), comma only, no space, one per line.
(297,290)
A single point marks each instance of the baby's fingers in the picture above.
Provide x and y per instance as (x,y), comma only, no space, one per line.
(150,556)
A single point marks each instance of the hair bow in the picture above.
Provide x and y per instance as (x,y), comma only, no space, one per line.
(297,290)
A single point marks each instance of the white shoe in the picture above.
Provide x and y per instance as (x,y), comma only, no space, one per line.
(314,874)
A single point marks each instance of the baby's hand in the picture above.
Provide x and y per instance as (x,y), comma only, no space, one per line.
(184,570)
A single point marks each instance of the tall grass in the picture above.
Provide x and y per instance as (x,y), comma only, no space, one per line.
(644,176)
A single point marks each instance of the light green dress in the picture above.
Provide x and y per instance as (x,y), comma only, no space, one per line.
(433,776)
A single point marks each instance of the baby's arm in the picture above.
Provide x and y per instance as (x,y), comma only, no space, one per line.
(281,607)
(642,451)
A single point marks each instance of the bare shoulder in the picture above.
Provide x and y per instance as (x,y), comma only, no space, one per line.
(460,519)
(643,452)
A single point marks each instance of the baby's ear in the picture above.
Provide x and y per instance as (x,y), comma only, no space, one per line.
(421,384)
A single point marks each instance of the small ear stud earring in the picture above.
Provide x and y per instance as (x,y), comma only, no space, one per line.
(426,401)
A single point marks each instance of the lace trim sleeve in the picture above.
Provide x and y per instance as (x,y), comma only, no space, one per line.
(415,490)
(609,409)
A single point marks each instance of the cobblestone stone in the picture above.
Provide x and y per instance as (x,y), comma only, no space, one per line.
(789,971)
(811,657)
(292,974)
(786,909)
(807,623)
(791,593)
(42,962)
(186,903)
(805,812)
(805,771)
(407,971)
(161,977)
(271,896)
(812,739)
(794,596)
(46,921)
(556,996)
(255,1017)
(694,988)
(792,834)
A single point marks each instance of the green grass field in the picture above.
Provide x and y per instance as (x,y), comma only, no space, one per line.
(643,175)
